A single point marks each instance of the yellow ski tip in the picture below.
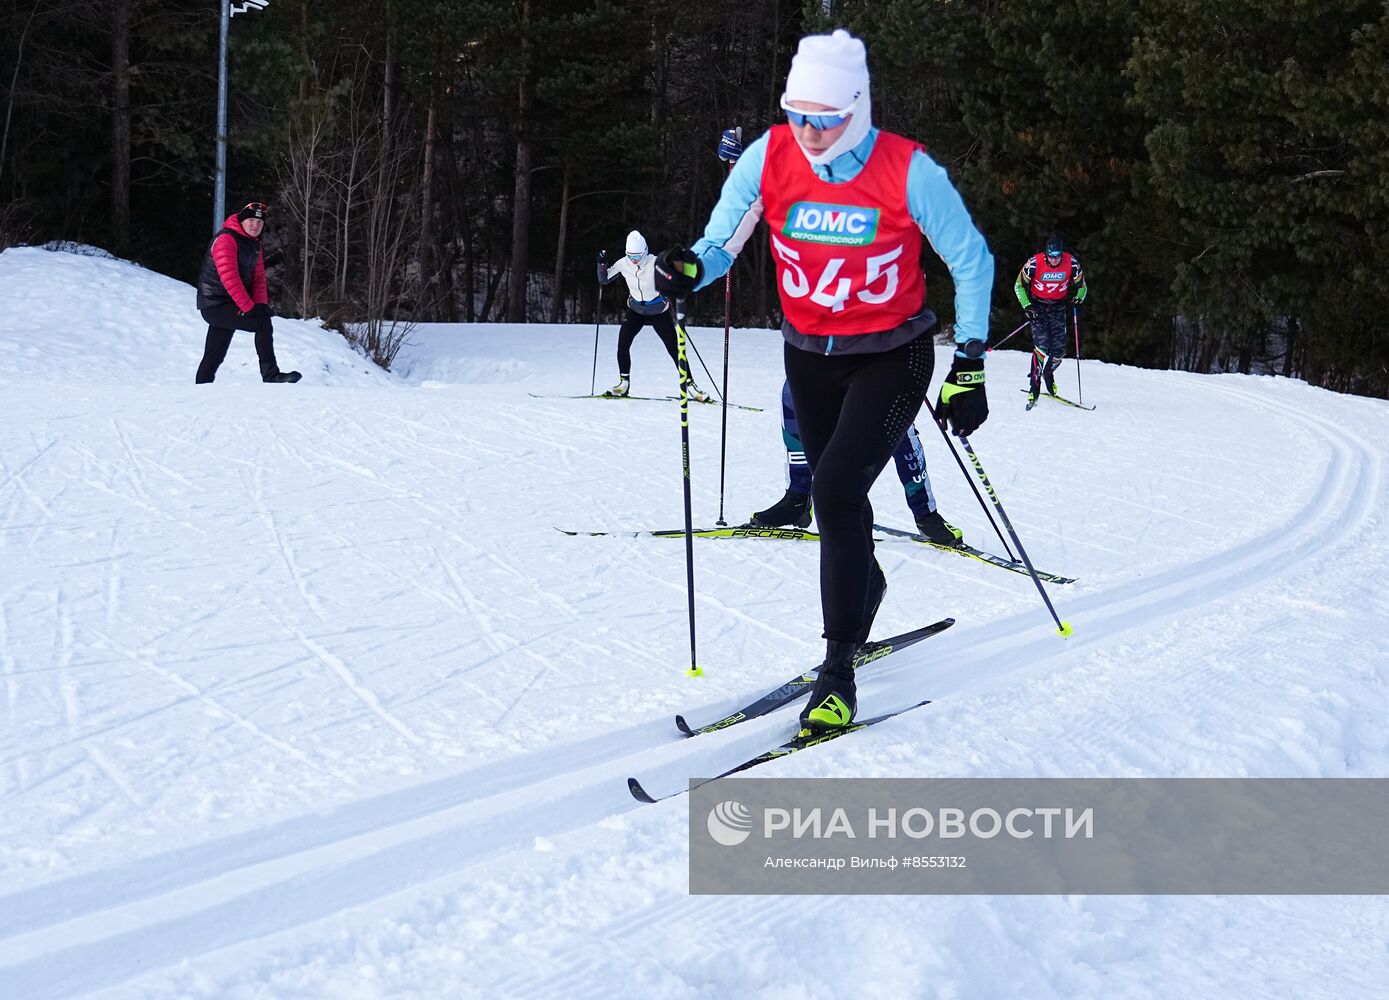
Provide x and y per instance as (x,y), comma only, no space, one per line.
(695,672)
(1065,630)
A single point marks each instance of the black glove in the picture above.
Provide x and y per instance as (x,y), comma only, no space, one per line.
(731,145)
(678,272)
(602,267)
(259,309)
(1031,313)
(962,401)
(602,256)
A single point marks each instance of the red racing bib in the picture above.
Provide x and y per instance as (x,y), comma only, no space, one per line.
(1050,284)
(847,255)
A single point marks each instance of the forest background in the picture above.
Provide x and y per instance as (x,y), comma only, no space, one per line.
(1221,167)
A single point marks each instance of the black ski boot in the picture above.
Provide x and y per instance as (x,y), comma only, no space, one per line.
(1050,378)
(939,530)
(834,699)
(877,587)
(792,510)
(283,377)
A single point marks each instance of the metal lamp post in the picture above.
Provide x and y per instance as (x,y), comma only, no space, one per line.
(219,197)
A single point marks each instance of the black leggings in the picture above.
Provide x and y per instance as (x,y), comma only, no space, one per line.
(662,323)
(1049,331)
(853,410)
(222,322)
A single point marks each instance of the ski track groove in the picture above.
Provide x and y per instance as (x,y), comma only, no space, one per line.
(1352,478)
(111,727)
(544,668)
(477,610)
(28,783)
(301,870)
(100,474)
(115,776)
(473,445)
(416,586)
(296,575)
(364,694)
(62,657)
(135,476)
(554,600)
(147,664)
(7,662)
(16,478)
(114,579)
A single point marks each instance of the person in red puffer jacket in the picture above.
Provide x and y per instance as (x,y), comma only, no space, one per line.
(232,295)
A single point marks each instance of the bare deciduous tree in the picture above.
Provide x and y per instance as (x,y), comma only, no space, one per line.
(300,179)
(391,228)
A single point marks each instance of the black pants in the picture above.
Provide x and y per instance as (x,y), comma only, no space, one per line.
(1049,337)
(853,410)
(662,323)
(222,322)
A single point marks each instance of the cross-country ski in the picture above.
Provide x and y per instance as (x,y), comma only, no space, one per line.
(799,686)
(1033,400)
(803,740)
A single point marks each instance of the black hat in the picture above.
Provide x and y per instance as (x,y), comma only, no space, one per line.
(253,210)
(1054,246)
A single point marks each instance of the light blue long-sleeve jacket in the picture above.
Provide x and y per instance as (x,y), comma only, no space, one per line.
(931,198)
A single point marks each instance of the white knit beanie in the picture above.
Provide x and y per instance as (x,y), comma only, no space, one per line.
(636,243)
(833,70)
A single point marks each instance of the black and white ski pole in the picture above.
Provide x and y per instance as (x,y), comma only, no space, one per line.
(969,479)
(695,669)
(1075,321)
(1064,628)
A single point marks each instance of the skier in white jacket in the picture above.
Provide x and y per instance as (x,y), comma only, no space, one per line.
(644,306)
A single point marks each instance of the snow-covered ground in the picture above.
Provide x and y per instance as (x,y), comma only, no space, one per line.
(304,696)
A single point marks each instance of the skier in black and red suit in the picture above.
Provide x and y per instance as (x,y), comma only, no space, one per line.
(1049,285)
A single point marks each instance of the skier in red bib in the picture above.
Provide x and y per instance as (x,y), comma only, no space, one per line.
(1049,285)
(848,208)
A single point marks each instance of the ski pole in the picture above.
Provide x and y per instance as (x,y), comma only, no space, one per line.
(695,347)
(727,320)
(1010,336)
(969,479)
(1075,320)
(597,317)
(695,669)
(1064,628)
(723,429)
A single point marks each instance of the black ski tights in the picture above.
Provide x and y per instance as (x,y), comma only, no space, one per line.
(853,410)
(662,323)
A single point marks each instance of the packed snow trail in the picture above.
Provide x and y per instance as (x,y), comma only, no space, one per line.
(303,696)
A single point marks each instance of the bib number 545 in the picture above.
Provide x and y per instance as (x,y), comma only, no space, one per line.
(833,289)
